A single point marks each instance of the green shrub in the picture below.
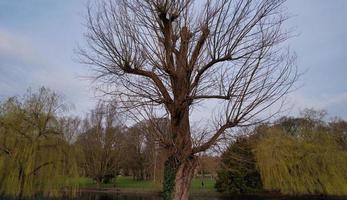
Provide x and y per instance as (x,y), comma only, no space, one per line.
(239,173)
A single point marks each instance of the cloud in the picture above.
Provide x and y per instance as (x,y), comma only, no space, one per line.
(16,46)
(23,66)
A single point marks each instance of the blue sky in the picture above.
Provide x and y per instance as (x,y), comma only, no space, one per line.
(38,38)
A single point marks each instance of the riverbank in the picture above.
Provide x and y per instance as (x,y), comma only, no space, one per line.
(145,192)
(126,183)
(127,186)
(138,194)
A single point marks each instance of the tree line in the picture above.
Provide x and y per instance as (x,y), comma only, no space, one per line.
(44,150)
(303,155)
(158,60)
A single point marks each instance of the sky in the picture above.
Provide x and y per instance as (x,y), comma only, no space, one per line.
(38,39)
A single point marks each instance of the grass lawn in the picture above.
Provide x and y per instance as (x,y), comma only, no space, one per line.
(125,182)
(208,184)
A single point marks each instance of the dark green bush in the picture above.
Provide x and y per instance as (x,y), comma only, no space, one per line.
(239,173)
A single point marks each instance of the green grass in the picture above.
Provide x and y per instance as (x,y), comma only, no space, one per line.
(208,184)
(86,182)
(125,182)
(129,182)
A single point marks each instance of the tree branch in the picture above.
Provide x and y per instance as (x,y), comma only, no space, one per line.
(214,138)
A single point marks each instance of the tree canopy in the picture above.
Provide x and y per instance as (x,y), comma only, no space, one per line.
(34,155)
(311,161)
(161,58)
(99,144)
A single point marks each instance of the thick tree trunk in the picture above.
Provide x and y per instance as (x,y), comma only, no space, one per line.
(178,177)
(180,166)
(183,179)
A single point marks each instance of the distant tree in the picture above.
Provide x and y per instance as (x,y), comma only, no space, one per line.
(70,127)
(208,167)
(99,143)
(239,173)
(309,162)
(134,144)
(313,115)
(160,58)
(155,153)
(338,128)
(293,155)
(145,155)
(34,154)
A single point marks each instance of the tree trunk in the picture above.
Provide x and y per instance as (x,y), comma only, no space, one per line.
(183,179)
(180,166)
(177,178)
(98,182)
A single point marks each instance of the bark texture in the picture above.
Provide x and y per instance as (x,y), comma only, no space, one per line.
(183,178)
(178,177)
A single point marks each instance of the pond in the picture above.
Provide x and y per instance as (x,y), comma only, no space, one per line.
(107,196)
(118,196)
(149,196)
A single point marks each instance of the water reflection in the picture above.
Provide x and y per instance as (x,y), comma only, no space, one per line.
(149,196)
(115,196)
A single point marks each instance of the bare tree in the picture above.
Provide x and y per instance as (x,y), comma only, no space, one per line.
(70,127)
(99,143)
(145,157)
(165,56)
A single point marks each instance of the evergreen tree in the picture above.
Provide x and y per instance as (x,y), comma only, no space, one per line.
(239,173)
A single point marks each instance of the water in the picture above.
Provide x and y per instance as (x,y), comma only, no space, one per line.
(115,196)
(149,196)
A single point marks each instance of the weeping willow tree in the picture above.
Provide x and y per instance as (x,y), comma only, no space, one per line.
(311,162)
(34,156)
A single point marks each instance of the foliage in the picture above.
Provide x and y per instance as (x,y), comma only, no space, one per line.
(238,173)
(311,162)
(338,128)
(170,169)
(34,155)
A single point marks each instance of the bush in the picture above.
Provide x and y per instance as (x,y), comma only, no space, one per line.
(238,173)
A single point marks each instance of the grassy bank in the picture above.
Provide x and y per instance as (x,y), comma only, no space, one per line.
(128,183)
